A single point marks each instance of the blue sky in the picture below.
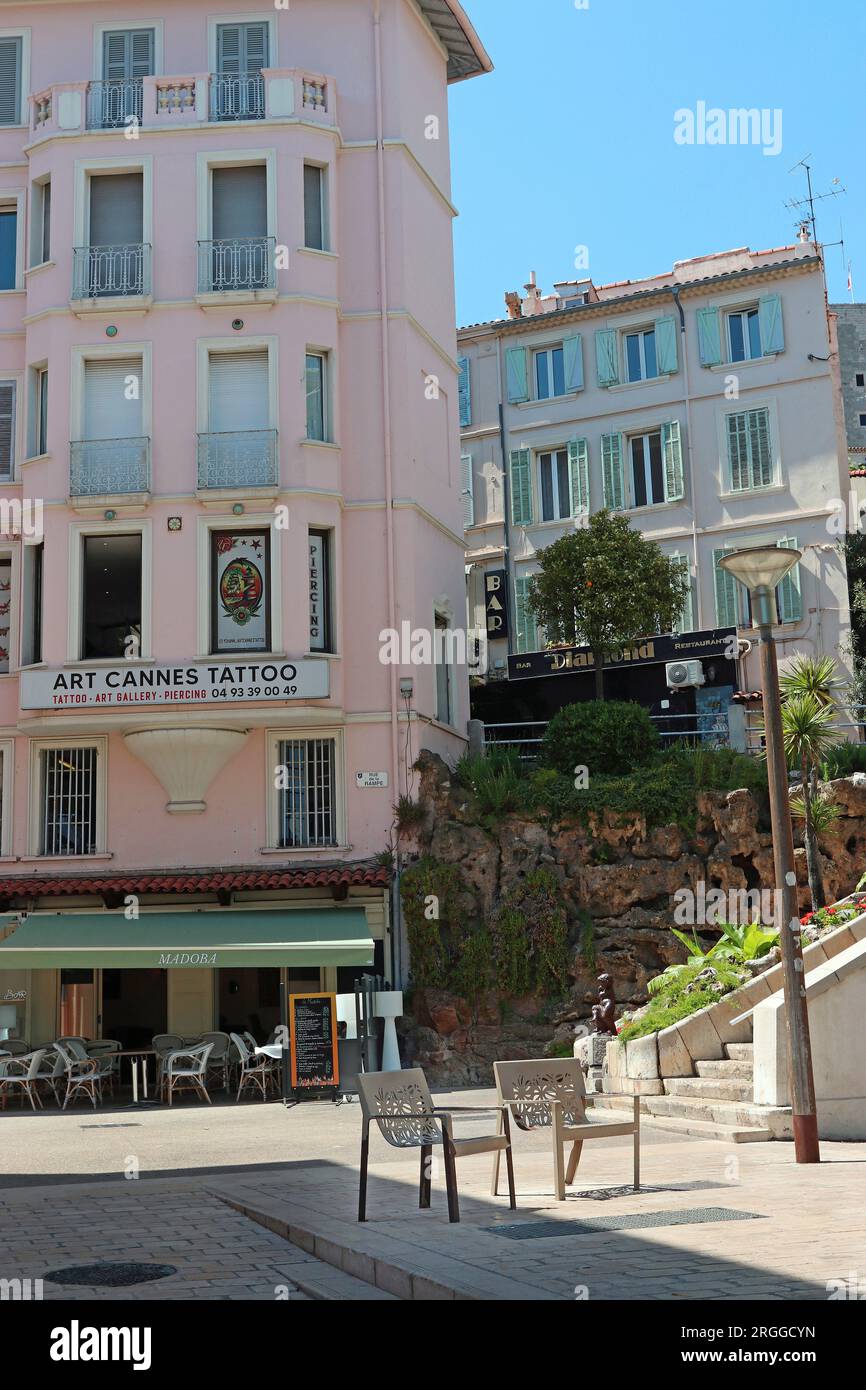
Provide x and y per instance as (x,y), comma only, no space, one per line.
(570,141)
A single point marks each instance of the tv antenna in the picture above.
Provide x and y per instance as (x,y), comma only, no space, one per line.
(807,221)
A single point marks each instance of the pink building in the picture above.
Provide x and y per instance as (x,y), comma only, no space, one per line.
(229,461)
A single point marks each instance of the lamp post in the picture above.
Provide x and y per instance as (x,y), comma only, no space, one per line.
(760,570)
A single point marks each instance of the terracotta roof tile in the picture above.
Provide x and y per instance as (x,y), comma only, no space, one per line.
(363,874)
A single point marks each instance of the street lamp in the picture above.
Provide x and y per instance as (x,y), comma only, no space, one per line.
(760,569)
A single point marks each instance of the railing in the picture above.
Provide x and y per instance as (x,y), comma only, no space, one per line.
(525,738)
(175,96)
(115,103)
(242,459)
(314,92)
(42,109)
(101,272)
(237,96)
(849,724)
(710,730)
(109,467)
(241,263)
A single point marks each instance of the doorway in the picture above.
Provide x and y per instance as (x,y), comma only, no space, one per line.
(249,999)
(134,1005)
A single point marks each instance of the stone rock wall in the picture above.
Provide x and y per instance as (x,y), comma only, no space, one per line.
(617,873)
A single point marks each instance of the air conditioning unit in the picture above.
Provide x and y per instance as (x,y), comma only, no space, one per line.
(680,674)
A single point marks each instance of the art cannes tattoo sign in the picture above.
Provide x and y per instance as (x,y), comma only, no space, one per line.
(215,683)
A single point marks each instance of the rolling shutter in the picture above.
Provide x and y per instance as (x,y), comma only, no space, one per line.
(116,210)
(240,202)
(239,392)
(108,413)
(7,428)
(10,81)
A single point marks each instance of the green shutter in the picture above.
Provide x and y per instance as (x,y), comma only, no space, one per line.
(578,475)
(672,452)
(521,488)
(788,596)
(607,357)
(524,622)
(710,337)
(256,45)
(10,81)
(464,390)
(686,620)
(7,429)
(572,356)
(613,476)
(770,320)
(666,346)
(466,491)
(517,376)
(727,598)
(229,45)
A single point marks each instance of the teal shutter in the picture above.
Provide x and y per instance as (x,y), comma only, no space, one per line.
(686,620)
(229,49)
(710,337)
(666,346)
(770,321)
(607,357)
(256,46)
(10,81)
(788,596)
(142,44)
(466,491)
(727,598)
(572,356)
(672,452)
(524,623)
(464,389)
(517,375)
(613,476)
(578,475)
(7,429)
(521,488)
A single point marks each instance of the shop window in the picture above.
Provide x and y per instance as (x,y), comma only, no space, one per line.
(240,585)
(112,596)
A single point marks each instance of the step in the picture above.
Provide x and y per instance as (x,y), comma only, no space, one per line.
(726,1112)
(709,1087)
(739,1052)
(700,1129)
(727,1070)
(327,1284)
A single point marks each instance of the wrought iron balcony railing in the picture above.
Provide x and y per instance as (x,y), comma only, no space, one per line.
(113,104)
(243,459)
(237,96)
(103,272)
(240,263)
(108,467)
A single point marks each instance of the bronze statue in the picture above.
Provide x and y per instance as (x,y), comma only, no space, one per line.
(604,1012)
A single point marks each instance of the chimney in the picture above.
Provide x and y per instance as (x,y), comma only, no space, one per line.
(532,302)
(513,305)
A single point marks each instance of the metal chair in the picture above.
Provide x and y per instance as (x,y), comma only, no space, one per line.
(190,1077)
(105,1050)
(220,1060)
(22,1072)
(551,1094)
(163,1043)
(253,1068)
(399,1102)
(83,1075)
(17,1047)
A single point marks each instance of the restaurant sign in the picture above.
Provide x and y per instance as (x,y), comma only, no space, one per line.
(215,683)
(686,646)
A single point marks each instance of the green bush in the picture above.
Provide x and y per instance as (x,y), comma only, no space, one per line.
(843,759)
(496,780)
(529,937)
(606,736)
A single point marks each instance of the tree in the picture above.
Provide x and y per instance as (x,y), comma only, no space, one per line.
(605,586)
(818,677)
(808,731)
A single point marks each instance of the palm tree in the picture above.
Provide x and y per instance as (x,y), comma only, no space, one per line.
(811,675)
(808,731)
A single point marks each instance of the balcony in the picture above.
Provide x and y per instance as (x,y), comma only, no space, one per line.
(239,269)
(237,96)
(240,461)
(111,277)
(109,468)
(113,105)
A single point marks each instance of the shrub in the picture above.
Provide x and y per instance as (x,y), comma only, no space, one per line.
(408,814)
(429,935)
(843,759)
(605,736)
(496,780)
(529,937)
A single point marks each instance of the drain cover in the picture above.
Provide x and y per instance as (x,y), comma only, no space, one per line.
(697,1216)
(110,1276)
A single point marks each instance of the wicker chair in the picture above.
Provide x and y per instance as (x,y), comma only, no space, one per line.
(83,1075)
(163,1043)
(551,1094)
(399,1102)
(220,1060)
(253,1068)
(186,1069)
(106,1051)
(22,1073)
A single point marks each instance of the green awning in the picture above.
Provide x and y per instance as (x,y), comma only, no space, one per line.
(176,940)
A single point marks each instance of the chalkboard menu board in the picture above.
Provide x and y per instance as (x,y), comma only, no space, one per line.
(313,1028)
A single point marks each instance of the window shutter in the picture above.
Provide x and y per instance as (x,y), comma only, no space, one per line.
(115,52)
(686,620)
(141,52)
(517,375)
(578,475)
(108,414)
(788,596)
(464,389)
(525,631)
(607,357)
(770,321)
(10,81)
(727,598)
(613,477)
(466,491)
(314,207)
(240,202)
(666,346)
(116,210)
(7,428)
(521,488)
(229,48)
(710,337)
(256,44)
(239,392)
(572,357)
(672,451)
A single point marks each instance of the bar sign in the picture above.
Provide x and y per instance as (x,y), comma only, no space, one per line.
(496,604)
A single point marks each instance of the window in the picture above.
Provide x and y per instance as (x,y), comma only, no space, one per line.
(317,423)
(240,254)
(744,335)
(113,454)
(127,57)
(114,261)
(750,454)
(10,80)
(321,622)
(8,247)
(733,601)
(111,573)
(526,630)
(686,620)
(314,207)
(42,411)
(239,450)
(549,373)
(31,637)
(68,800)
(240,587)
(7,428)
(5,612)
(860,379)
(238,91)
(307,798)
(863,420)
(443,657)
(554,485)
(40,204)
(647,469)
(640,355)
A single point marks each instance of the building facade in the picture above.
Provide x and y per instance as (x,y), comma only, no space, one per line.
(704,405)
(851,332)
(226,288)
